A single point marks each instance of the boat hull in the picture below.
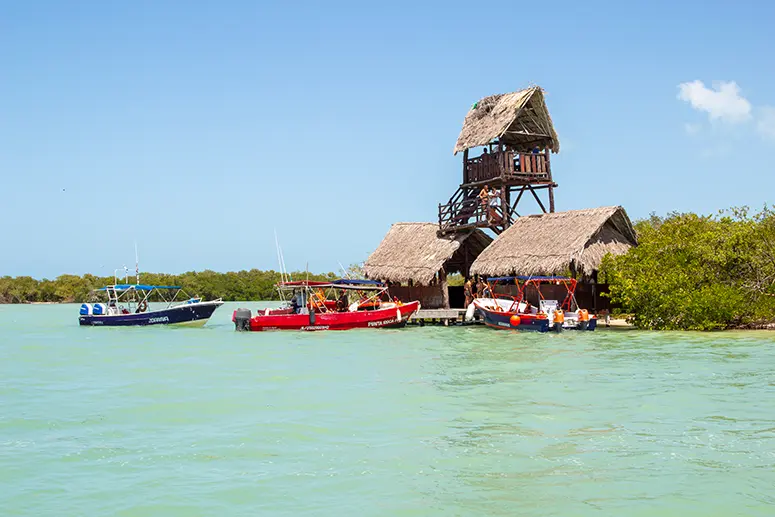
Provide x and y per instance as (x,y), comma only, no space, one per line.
(393,317)
(195,314)
(502,320)
(527,322)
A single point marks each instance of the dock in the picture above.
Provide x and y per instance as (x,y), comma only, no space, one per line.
(444,317)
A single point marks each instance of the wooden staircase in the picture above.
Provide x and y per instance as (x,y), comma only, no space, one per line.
(465,211)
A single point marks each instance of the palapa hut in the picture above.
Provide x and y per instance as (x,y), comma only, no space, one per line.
(415,255)
(572,242)
(519,120)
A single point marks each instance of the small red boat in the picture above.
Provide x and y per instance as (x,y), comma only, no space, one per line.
(311,308)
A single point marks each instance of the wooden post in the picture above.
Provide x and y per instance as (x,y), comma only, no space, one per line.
(444,288)
(505,206)
(548,166)
(466,260)
(551,199)
(551,181)
(465,166)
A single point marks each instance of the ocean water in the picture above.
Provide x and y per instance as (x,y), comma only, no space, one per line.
(420,421)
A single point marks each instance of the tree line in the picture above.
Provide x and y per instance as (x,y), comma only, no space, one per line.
(694,272)
(254,284)
(688,272)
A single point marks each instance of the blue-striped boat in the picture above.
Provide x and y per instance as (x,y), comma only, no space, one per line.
(128,305)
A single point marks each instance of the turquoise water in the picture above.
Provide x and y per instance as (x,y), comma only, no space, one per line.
(419,421)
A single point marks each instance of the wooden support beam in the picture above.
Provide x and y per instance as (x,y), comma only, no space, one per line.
(509,181)
(551,188)
(466,259)
(506,203)
(516,202)
(444,288)
(505,209)
(465,165)
(538,199)
(551,199)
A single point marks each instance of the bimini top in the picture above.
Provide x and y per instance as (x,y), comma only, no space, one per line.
(524,277)
(350,281)
(136,287)
(342,283)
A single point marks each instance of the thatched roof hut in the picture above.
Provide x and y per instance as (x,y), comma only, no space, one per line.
(519,119)
(546,244)
(414,251)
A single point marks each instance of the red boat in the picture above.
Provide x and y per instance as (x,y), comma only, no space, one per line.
(311,308)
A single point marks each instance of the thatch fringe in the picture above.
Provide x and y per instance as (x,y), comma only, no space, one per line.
(519,119)
(550,244)
(414,251)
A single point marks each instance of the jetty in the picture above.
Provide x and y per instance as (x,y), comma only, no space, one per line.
(446,317)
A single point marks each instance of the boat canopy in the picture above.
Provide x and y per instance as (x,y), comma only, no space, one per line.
(350,281)
(342,283)
(524,277)
(136,287)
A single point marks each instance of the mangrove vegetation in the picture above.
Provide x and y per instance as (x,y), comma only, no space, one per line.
(692,272)
(232,286)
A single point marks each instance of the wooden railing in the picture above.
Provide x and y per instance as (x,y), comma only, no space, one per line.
(470,213)
(532,163)
(506,165)
(488,166)
(460,213)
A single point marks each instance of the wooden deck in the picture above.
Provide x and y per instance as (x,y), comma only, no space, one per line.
(444,317)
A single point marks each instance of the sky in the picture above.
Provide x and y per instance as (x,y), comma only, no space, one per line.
(199,129)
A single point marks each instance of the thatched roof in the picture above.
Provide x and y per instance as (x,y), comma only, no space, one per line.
(519,119)
(546,244)
(414,251)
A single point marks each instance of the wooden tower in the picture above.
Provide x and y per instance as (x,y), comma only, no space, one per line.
(516,136)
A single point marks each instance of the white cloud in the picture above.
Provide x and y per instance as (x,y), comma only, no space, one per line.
(722,102)
(766,122)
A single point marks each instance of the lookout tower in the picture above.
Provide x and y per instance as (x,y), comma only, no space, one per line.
(516,135)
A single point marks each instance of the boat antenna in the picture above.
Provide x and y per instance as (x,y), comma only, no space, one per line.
(279,260)
(285,269)
(284,276)
(137,265)
(344,270)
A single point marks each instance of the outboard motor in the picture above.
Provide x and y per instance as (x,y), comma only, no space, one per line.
(242,320)
(99,309)
(583,319)
(559,319)
(86,309)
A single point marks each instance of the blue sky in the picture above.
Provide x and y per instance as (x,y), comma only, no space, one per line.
(209,125)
